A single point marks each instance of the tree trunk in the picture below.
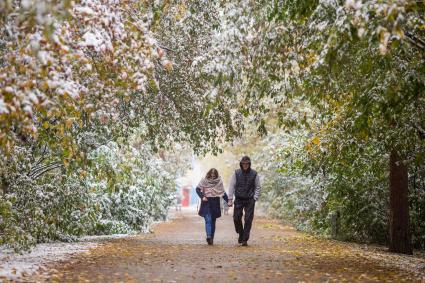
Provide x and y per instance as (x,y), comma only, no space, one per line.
(400,237)
(3,185)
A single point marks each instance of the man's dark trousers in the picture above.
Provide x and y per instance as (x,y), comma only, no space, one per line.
(241,206)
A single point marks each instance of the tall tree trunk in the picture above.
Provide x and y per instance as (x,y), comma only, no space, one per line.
(400,237)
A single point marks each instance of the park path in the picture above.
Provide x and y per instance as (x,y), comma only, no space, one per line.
(177,252)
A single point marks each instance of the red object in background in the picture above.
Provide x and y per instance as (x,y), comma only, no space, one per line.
(185,196)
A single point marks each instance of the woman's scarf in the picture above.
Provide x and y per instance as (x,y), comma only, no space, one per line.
(212,187)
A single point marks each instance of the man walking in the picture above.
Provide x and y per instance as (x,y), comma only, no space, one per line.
(245,185)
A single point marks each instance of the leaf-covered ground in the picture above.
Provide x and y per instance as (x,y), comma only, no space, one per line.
(177,252)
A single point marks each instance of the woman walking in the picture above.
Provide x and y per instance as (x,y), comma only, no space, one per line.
(210,190)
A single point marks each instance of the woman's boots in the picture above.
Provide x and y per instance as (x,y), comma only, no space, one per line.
(210,240)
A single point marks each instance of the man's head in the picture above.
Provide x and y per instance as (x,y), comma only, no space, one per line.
(245,163)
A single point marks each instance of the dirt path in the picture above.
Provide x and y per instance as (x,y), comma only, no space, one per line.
(177,252)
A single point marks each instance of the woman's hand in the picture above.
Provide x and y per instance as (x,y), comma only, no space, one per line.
(204,199)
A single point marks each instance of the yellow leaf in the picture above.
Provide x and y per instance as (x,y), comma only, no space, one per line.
(316,141)
(168,65)
(68,123)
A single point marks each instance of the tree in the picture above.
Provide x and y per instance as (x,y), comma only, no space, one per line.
(400,237)
(81,80)
(358,66)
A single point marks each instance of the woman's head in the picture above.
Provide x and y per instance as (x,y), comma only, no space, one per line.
(212,174)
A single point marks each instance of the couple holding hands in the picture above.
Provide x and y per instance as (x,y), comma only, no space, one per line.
(244,185)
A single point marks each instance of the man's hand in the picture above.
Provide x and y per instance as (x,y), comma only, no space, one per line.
(204,199)
(230,203)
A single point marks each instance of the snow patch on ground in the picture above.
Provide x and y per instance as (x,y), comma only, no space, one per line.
(16,266)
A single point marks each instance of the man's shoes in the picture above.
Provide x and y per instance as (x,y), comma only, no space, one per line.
(209,240)
(244,244)
(240,238)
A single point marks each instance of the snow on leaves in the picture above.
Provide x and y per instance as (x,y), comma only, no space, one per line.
(55,66)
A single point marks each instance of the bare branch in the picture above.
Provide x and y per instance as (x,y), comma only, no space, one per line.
(42,157)
(35,171)
(416,41)
(47,169)
(165,48)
